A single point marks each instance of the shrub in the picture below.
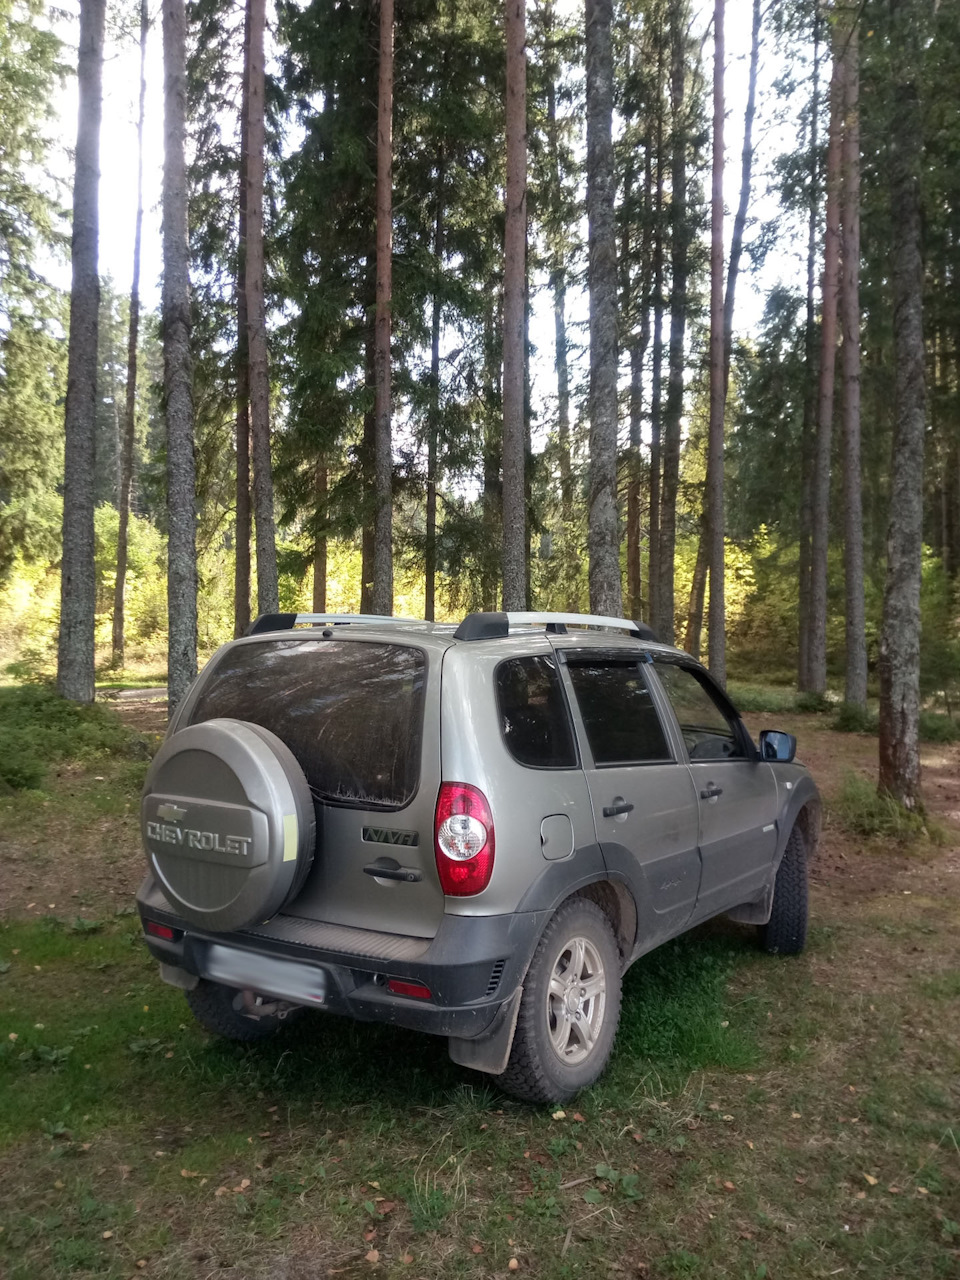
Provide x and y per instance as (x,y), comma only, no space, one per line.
(864,811)
(38,727)
(850,718)
(762,698)
(813,702)
(936,727)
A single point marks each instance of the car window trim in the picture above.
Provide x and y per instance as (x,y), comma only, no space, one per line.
(706,680)
(617,658)
(540,768)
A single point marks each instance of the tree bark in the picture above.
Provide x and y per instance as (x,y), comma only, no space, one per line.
(433,429)
(603,539)
(740,221)
(514,505)
(715,520)
(268,600)
(900,636)
(241,575)
(809,399)
(75,647)
(856,673)
(320,542)
(130,403)
(698,589)
(558,285)
(820,535)
(177,365)
(679,254)
(656,372)
(383,443)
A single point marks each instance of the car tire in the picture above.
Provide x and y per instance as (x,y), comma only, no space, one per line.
(785,933)
(570,1007)
(213,1006)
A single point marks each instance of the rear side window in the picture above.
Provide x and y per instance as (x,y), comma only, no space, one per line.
(351,713)
(618,714)
(533,714)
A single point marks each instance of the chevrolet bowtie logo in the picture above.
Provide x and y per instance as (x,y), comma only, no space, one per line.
(170,812)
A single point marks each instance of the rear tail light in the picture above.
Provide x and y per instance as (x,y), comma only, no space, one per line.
(463,839)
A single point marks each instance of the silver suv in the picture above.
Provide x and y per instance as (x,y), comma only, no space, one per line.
(471,831)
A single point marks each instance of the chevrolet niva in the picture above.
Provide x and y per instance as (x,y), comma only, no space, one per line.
(467,830)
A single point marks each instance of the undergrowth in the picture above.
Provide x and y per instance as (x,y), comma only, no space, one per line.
(38,728)
(864,811)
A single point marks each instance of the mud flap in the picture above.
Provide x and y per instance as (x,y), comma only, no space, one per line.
(491,1051)
(753,912)
(177,977)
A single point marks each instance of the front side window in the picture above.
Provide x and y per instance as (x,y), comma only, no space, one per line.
(618,714)
(533,713)
(351,713)
(708,731)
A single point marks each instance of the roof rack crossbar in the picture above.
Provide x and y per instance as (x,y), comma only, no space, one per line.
(287,621)
(489,626)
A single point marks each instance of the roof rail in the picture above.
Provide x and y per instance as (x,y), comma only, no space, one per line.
(287,621)
(491,626)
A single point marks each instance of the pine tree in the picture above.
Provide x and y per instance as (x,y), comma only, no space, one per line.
(75,654)
(514,273)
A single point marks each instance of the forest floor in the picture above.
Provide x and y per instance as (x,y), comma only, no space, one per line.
(762,1118)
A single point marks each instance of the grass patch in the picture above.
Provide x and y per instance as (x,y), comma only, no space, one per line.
(864,811)
(39,728)
(849,718)
(762,698)
(743,1095)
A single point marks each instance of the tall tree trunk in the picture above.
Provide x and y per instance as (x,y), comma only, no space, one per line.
(603,540)
(320,541)
(900,636)
(367,466)
(656,375)
(268,597)
(75,649)
(740,221)
(715,519)
(679,254)
(856,675)
(514,505)
(828,357)
(491,500)
(383,447)
(698,589)
(130,404)
(558,286)
(433,429)
(639,341)
(177,365)
(241,573)
(810,394)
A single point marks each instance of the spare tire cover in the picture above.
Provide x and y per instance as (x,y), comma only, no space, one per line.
(228,823)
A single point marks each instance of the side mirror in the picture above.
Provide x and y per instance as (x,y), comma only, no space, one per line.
(775,745)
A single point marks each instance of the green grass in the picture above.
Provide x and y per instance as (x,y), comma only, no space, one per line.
(863,811)
(39,728)
(117,1114)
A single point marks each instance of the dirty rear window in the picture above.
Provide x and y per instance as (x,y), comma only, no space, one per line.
(351,712)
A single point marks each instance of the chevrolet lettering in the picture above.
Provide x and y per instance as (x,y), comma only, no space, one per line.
(205,840)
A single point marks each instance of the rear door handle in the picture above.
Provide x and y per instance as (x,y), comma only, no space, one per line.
(621,806)
(710,792)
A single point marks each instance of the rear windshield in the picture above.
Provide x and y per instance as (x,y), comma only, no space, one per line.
(351,712)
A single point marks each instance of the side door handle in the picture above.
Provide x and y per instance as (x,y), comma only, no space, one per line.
(619,806)
(710,792)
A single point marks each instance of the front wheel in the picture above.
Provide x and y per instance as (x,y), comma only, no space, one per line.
(786,931)
(569,1009)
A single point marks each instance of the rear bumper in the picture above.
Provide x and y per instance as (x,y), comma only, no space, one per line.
(472,967)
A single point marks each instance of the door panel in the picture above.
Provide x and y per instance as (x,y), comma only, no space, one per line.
(644,802)
(737,792)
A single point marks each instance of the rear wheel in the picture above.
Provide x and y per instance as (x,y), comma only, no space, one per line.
(570,1007)
(220,1010)
(786,931)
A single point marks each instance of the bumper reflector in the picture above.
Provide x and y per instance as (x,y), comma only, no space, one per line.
(162,931)
(415,989)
